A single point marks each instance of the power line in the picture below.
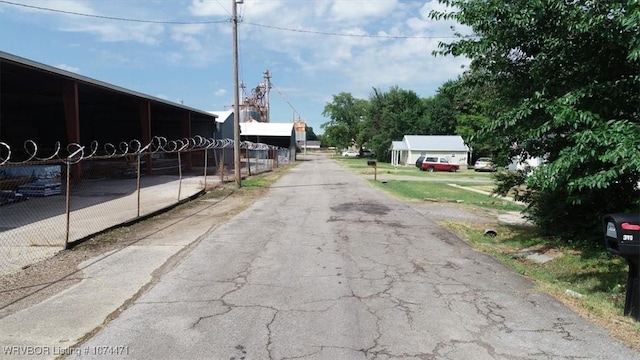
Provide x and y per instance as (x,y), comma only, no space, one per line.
(224,21)
(114,18)
(352,35)
(285,99)
(224,8)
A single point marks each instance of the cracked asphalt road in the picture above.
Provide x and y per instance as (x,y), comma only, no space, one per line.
(327,267)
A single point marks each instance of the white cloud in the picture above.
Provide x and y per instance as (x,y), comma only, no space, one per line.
(222,8)
(149,34)
(360,62)
(64,14)
(209,8)
(423,22)
(220,92)
(360,10)
(72,69)
(188,35)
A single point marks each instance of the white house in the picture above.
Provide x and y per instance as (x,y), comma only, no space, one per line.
(452,147)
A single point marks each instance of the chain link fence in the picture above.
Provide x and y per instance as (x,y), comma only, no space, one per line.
(49,202)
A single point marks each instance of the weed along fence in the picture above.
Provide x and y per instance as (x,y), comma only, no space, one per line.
(50,202)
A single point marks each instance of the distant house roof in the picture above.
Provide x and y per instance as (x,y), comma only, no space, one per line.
(222,116)
(266,129)
(435,143)
(399,145)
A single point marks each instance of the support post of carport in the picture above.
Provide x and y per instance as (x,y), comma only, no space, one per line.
(186,133)
(72,119)
(145,125)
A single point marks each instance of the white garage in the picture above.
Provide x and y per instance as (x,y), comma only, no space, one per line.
(452,147)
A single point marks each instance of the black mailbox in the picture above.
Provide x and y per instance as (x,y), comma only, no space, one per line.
(622,237)
(372,163)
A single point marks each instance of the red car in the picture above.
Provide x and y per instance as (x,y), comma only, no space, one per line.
(438,164)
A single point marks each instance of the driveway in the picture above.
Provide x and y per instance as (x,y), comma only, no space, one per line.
(327,267)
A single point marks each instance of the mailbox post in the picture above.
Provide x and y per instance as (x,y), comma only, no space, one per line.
(375,169)
(622,237)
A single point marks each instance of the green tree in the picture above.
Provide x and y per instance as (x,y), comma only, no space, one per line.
(567,76)
(310,134)
(441,111)
(346,114)
(392,115)
(474,102)
(325,141)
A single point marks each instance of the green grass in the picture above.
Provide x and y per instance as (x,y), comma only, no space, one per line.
(256,182)
(440,191)
(595,274)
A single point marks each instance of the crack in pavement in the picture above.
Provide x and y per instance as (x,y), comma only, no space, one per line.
(321,273)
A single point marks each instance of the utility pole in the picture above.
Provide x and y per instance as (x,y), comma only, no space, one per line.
(236,99)
(267,87)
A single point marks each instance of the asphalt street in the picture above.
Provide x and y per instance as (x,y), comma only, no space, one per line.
(328,267)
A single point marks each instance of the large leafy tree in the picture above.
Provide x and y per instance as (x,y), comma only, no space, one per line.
(392,115)
(346,115)
(475,103)
(441,111)
(567,77)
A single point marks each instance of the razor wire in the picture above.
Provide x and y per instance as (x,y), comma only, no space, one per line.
(76,153)
(30,233)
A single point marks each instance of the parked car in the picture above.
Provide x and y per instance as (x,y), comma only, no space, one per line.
(419,162)
(350,153)
(438,164)
(484,164)
(368,153)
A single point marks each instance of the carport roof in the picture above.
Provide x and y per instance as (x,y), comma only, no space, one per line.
(26,63)
(266,129)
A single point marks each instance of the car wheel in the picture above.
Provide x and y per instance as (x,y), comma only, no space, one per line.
(453,169)
(476,170)
(430,169)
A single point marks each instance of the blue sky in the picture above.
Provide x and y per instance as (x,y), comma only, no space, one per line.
(314,49)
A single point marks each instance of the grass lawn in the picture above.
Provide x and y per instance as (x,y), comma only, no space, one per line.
(589,280)
(441,191)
